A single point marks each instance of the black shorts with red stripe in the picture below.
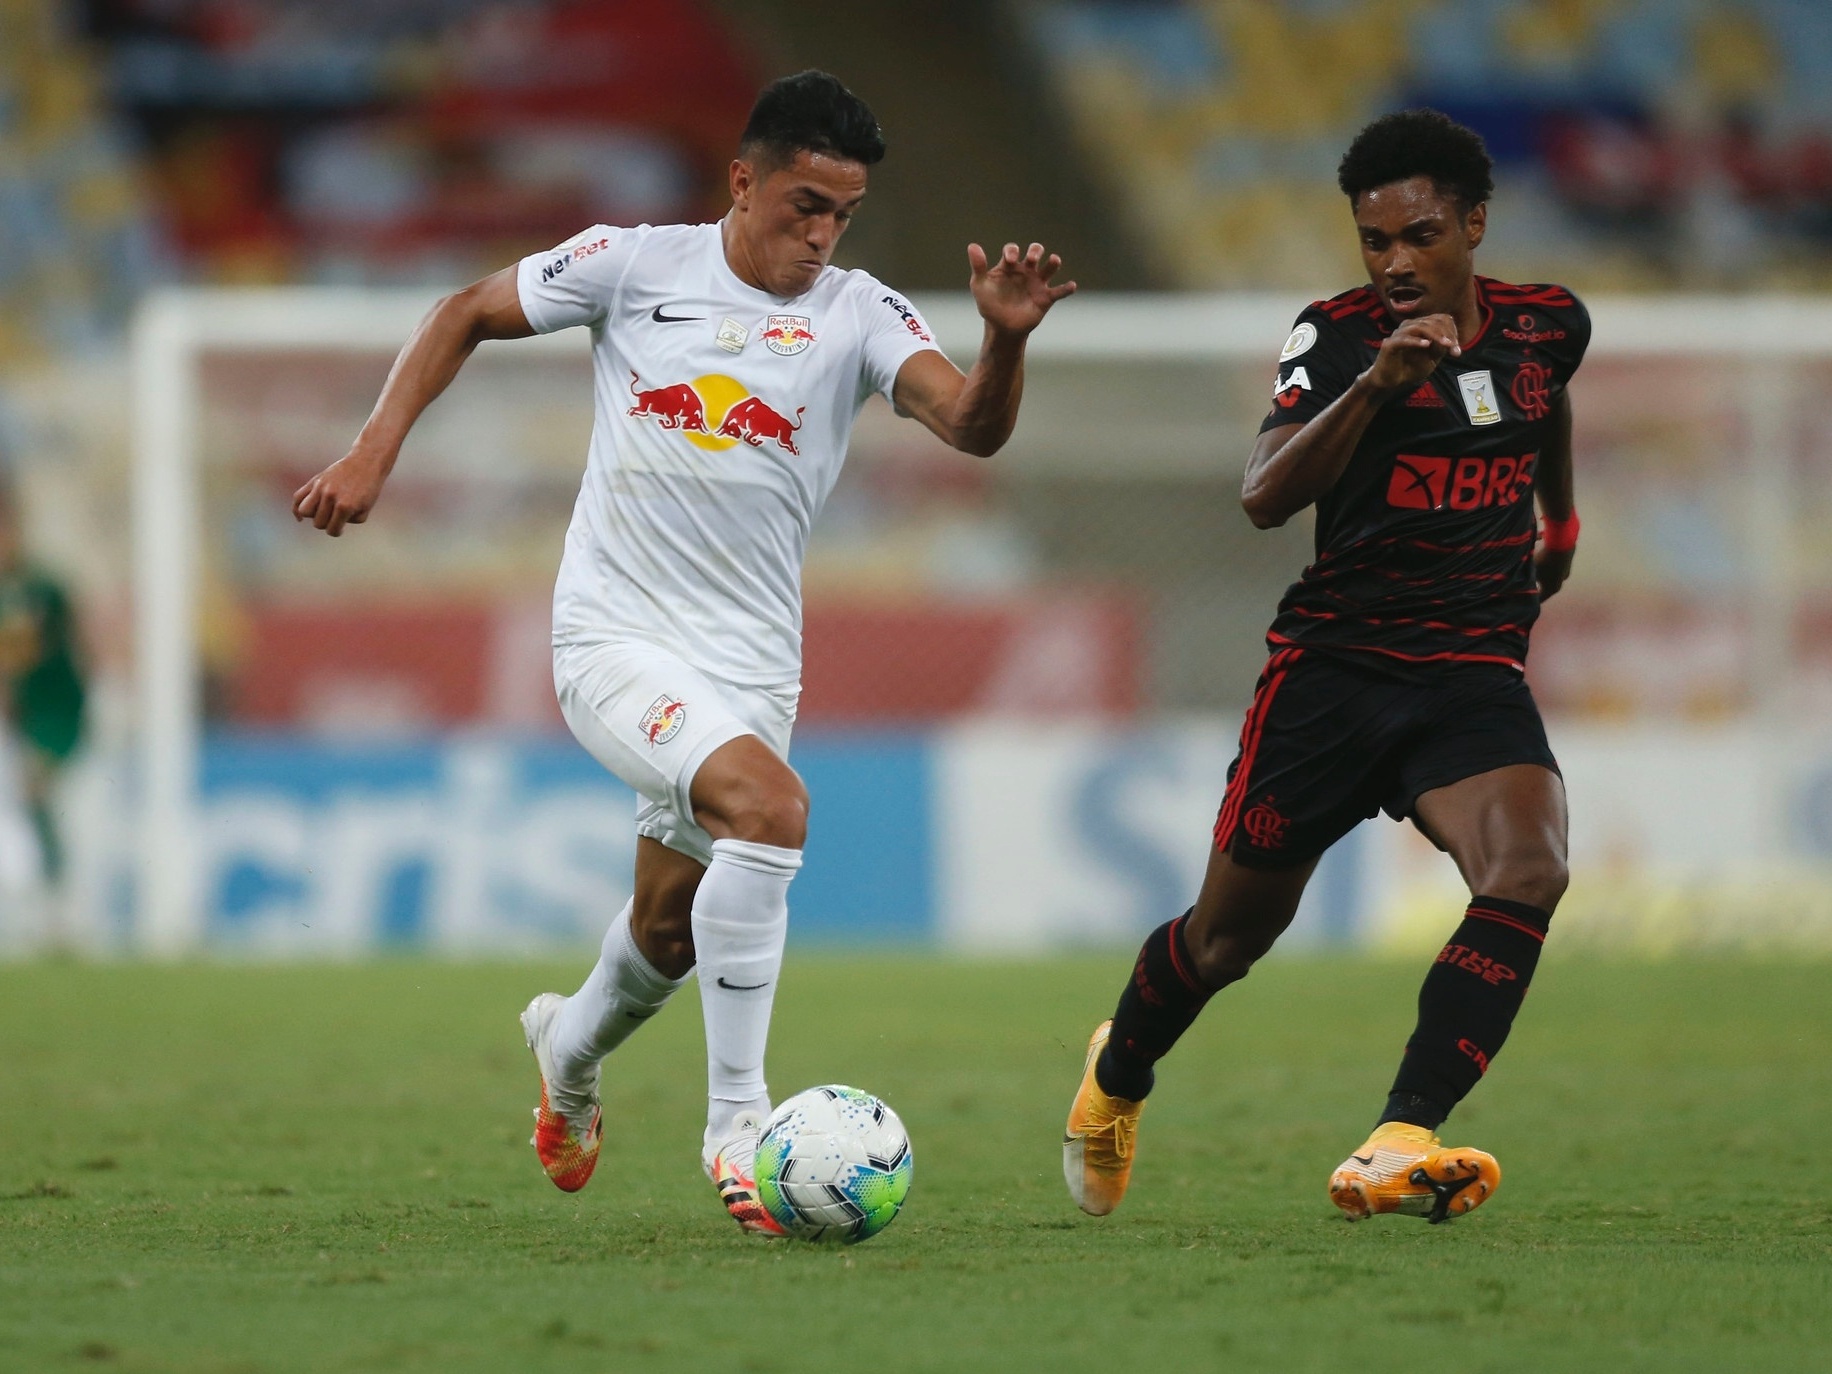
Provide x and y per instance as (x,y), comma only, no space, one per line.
(1331,739)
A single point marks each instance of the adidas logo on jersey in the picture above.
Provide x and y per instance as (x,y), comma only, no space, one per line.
(1425,398)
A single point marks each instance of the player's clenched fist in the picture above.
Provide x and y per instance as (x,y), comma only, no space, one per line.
(1412,352)
(342,494)
(1550,569)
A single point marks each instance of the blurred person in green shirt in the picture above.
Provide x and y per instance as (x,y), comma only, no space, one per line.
(42,672)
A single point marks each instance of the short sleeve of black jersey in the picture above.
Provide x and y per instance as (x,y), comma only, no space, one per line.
(1548,319)
(1569,352)
(1320,360)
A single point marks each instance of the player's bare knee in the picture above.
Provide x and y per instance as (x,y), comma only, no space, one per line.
(761,805)
(775,816)
(1538,879)
(782,821)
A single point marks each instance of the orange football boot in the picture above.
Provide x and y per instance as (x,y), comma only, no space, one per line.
(1405,1169)
(568,1125)
(732,1167)
(1099,1142)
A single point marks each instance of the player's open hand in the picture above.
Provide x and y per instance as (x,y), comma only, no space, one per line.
(1014,293)
(343,494)
(1412,352)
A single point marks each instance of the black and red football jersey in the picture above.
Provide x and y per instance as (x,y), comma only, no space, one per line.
(1425,544)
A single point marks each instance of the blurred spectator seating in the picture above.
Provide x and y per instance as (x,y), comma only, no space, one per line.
(425,141)
(76,241)
(1639,142)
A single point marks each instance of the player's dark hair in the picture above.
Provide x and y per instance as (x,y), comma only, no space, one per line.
(1418,143)
(810,112)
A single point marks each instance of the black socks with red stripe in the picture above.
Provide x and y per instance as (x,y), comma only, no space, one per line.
(1160,1002)
(1466,1008)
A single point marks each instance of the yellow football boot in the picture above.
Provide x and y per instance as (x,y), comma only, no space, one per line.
(1404,1169)
(1100,1139)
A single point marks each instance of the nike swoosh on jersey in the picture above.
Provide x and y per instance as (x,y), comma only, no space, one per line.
(741,987)
(660,318)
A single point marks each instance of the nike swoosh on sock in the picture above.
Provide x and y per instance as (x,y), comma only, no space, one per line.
(741,987)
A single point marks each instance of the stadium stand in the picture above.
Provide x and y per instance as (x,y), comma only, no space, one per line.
(421,144)
(356,142)
(1642,143)
(77,235)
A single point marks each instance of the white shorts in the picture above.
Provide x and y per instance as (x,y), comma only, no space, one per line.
(651,719)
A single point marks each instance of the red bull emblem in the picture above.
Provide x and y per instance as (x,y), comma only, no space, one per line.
(788,334)
(663,720)
(753,421)
(716,412)
(676,407)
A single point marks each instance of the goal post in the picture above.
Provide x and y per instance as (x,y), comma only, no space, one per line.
(176,327)
(1114,379)
(173,329)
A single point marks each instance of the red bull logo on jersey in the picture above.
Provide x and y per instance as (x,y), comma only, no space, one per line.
(716,412)
(673,407)
(663,720)
(753,422)
(788,334)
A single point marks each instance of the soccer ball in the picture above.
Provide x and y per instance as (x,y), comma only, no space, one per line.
(834,1164)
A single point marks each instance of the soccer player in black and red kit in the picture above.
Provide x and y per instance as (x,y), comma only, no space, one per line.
(1423,415)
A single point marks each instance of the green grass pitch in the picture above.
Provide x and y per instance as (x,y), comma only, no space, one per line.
(327,1168)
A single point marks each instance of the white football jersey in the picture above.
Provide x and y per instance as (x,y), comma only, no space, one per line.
(722,416)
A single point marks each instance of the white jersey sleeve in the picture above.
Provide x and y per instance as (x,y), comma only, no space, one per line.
(575,283)
(893,333)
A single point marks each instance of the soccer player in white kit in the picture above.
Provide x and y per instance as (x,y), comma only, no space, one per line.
(729,362)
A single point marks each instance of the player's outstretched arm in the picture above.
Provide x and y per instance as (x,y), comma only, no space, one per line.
(344,493)
(1293,465)
(1552,484)
(976,411)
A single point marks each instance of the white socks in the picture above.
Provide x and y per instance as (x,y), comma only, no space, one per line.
(740,921)
(622,991)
